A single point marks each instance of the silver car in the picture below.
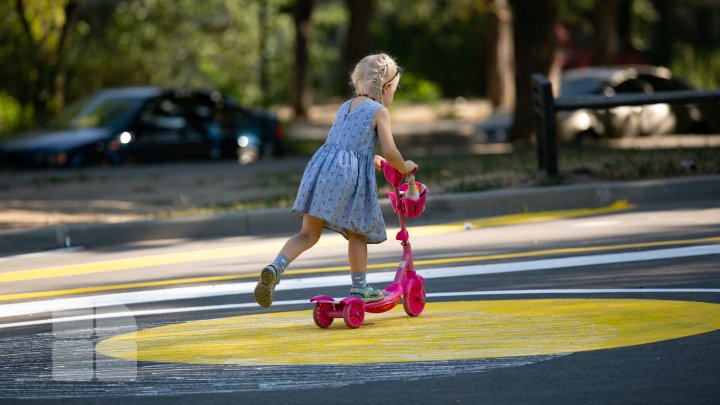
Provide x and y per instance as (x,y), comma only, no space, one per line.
(626,121)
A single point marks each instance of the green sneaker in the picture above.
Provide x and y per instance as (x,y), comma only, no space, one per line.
(367,293)
(269,278)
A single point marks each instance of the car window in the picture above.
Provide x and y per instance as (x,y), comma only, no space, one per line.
(164,113)
(663,84)
(95,112)
(630,86)
(580,87)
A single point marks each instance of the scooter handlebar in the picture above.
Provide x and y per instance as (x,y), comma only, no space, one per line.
(393,175)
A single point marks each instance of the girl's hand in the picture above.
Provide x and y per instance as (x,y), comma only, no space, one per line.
(410,166)
(378,160)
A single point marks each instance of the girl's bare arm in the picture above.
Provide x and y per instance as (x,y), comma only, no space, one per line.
(387,143)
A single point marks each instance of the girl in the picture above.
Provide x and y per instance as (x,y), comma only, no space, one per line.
(338,189)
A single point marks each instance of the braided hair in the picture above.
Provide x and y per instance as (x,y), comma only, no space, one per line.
(371,73)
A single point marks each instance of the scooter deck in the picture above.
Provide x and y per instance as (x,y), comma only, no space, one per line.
(393,294)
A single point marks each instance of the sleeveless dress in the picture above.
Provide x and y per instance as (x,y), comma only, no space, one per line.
(339,184)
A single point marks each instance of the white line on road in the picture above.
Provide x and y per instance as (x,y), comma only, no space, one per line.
(166,311)
(185,293)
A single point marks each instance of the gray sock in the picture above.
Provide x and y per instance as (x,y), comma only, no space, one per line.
(358,279)
(280,263)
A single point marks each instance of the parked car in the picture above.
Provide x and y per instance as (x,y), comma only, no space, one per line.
(624,121)
(147,124)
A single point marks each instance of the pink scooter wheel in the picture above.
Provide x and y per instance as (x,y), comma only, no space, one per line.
(320,315)
(353,314)
(414,298)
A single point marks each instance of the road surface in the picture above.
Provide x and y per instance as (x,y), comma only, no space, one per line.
(614,306)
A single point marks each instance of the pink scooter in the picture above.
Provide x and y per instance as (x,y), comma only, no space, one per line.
(407,285)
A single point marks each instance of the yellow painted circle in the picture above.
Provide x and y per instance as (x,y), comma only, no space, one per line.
(445,331)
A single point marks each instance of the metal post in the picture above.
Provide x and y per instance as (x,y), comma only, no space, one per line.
(544,117)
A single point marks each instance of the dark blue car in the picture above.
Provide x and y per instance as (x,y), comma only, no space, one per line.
(147,124)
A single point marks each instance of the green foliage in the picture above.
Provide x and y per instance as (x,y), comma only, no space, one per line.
(645,17)
(217,43)
(701,66)
(199,44)
(415,88)
(329,30)
(575,11)
(11,114)
(438,41)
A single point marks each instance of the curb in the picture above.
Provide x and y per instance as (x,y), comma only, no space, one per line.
(440,208)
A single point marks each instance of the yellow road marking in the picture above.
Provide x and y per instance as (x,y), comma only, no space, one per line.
(445,331)
(224,253)
(391,265)
(523,218)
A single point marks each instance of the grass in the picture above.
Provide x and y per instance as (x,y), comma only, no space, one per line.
(466,173)
(576,164)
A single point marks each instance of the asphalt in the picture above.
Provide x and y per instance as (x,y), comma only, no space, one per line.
(440,208)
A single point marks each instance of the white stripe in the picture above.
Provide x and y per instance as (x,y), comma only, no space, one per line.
(580,291)
(183,293)
(40,254)
(166,311)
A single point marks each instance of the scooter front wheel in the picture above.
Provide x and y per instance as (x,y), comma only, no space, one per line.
(320,315)
(354,314)
(414,298)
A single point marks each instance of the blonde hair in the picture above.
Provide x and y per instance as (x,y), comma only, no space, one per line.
(371,73)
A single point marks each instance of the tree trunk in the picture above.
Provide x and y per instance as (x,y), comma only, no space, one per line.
(357,44)
(45,92)
(535,44)
(301,95)
(606,41)
(263,68)
(501,75)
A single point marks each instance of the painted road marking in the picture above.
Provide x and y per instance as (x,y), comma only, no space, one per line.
(262,248)
(446,331)
(304,302)
(418,263)
(183,293)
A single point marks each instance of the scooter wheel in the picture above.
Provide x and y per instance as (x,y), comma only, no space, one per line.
(353,314)
(320,315)
(414,298)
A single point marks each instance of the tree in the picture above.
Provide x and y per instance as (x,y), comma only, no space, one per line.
(37,72)
(301,95)
(535,44)
(358,41)
(606,41)
(501,75)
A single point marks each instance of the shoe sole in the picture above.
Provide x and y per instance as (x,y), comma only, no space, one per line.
(265,287)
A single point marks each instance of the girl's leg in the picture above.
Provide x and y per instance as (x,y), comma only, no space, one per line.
(357,255)
(357,252)
(309,235)
(270,275)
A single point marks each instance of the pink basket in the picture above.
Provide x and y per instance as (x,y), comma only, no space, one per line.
(409,208)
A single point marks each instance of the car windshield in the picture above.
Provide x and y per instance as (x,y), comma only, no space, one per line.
(579,87)
(97,111)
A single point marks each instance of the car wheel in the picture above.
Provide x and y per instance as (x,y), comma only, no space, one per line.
(586,138)
(215,153)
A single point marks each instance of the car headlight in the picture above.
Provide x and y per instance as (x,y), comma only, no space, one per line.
(583,120)
(126,138)
(243,141)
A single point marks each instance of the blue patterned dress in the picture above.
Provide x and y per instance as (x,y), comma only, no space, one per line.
(338,185)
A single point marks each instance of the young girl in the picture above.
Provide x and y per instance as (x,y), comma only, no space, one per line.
(338,189)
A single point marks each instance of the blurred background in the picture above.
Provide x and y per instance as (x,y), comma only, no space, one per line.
(289,58)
